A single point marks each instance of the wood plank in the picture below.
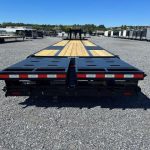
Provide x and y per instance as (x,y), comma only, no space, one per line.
(74,48)
(88,43)
(101,53)
(47,53)
(62,43)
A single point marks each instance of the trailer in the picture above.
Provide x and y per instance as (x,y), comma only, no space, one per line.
(115,34)
(120,33)
(139,35)
(3,38)
(126,34)
(112,33)
(72,67)
(131,34)
(106,33)
(134,34)
(146,34)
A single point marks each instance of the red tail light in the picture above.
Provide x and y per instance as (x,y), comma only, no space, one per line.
(23,76)
(119,76)
(81,76)
(4,76)
(100,75)
(42,76)
(139,76)
(61,76)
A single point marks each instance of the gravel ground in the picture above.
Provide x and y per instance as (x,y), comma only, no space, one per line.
(76,123)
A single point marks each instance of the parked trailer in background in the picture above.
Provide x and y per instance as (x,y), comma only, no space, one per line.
(120,33)
(124,33)
(116,34)
(106,33)
(139,35)
(131,34)
(112,33)
(127,34)
(134,34)
(146,34)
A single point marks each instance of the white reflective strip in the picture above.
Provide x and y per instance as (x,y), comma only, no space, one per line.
(51,76)
(90,75)
(109,76)
(32,76)
(13,76)
(128,76)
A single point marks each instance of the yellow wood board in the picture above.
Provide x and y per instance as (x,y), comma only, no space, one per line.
(74,48)
(88,43)
(62,43)
(47,53)
(100,53)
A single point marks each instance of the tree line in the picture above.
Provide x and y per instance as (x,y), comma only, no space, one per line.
(86,28)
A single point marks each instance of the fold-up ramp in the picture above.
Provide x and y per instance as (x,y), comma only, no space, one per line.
(106,68)
(41,68)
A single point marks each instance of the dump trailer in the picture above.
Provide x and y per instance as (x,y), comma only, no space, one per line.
(72,67)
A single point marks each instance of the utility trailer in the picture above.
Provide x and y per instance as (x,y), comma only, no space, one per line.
(72,67)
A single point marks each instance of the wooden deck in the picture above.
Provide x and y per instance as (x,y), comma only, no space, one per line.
(74,48)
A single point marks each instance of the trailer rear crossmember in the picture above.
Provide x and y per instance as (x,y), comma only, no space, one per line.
(73,67)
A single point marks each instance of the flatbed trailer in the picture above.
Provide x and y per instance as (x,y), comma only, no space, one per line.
(3,38)
(71,67)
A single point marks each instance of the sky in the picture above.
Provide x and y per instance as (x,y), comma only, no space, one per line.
(108,12)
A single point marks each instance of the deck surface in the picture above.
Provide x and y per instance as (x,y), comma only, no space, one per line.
(74,48)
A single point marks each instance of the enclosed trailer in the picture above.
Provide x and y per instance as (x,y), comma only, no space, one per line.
(111,33)
(134,34)
(139,35)
(127,34)
(106,33)
(124,33)
(146,34)
(120,32)
(115,33)
(131,34)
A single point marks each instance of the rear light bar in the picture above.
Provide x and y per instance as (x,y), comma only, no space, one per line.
(111,76)
(32,76)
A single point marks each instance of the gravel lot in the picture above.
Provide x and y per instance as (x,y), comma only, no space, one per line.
(76,123)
